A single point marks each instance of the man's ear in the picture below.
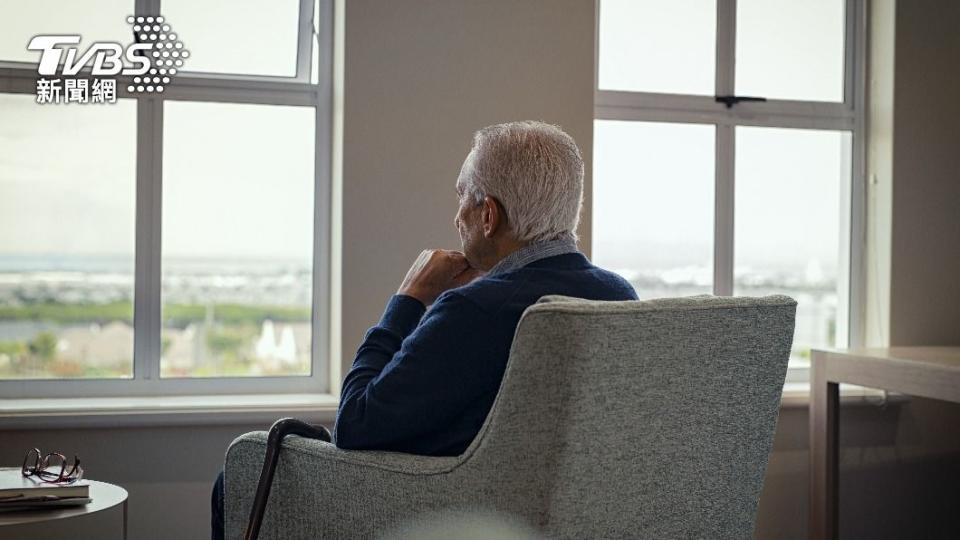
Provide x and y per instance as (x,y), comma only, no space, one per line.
(492,217)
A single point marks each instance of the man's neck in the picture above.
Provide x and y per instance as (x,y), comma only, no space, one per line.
(530,252)
(505,249)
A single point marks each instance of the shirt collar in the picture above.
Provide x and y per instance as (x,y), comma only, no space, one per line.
(534,252)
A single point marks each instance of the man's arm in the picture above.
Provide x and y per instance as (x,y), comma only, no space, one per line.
(408,380)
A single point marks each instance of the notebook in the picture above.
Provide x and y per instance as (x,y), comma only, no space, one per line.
(15,489)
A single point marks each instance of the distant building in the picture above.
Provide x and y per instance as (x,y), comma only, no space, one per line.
(273,353)
(105,346)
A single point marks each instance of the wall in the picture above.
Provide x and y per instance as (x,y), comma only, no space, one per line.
(420,78)
(925,243)
(168,472)
(880,78)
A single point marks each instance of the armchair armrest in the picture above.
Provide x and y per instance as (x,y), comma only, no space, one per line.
(322,491)
(387,461)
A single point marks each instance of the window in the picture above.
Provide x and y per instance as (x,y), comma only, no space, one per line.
(66,287)
(237,239)
(102,20)
(639,53)
(238,36)
(696,190)
(661,251)
(172,243)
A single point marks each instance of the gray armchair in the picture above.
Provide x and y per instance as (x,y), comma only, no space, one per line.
(642,419)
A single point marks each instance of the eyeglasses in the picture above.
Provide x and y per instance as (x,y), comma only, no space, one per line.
(51,468)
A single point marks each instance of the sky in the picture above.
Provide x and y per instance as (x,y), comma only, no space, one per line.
(786,49)
(654,182)
(226,36)
(238,178)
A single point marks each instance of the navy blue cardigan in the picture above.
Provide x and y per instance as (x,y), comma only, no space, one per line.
(424,384)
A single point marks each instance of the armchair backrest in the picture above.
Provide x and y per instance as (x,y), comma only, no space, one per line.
(640,419)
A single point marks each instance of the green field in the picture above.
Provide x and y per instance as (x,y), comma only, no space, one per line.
(233,328)
(178,315)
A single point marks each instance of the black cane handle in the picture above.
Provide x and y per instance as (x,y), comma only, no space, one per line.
(280,429)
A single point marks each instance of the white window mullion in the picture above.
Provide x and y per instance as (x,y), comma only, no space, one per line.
(725,152)
(726,47)
(855,77)
(323,364)
(656,114)
(655,101)
(853,11)
(146,313)
(304,40)
(156,255)
(844,281)
(655,108)
(146,307)
(724,211)
(190,89)
(320,306)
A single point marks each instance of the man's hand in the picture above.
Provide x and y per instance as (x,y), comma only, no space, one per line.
(436,271)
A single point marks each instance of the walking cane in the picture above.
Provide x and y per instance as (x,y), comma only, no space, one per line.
(280,429)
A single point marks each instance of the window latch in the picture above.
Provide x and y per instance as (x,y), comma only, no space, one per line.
(730,101)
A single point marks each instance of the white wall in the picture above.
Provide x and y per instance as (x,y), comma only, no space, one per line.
(925,220)
(420,77)
(168,472)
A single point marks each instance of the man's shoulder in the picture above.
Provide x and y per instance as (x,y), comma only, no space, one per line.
(527,284)
(486,292)
(620,287)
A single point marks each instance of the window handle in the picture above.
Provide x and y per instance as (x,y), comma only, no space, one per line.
(730,101)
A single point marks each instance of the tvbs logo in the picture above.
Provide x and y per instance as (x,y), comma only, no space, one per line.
(107,57)
(152,60)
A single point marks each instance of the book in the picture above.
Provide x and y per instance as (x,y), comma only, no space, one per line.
(45,502)
(16,489)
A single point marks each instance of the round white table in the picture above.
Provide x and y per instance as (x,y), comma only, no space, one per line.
(104,498)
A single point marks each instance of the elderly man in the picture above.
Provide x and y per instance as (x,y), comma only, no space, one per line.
(424,380)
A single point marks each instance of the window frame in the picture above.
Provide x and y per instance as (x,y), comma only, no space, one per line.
(848,115)
(314,49)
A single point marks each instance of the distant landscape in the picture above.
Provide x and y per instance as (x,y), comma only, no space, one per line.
(73,318)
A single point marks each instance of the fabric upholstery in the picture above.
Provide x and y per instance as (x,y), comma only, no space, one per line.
(634,419)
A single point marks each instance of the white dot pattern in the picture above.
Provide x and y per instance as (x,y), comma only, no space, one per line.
(167,51)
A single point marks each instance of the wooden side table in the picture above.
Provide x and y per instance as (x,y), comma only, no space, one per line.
(83,521)
(930,372)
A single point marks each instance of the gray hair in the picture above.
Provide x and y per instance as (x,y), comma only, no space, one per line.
(536,172)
